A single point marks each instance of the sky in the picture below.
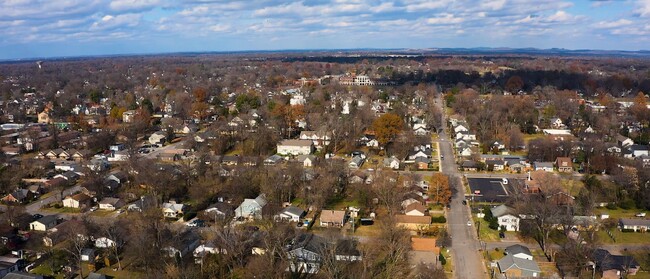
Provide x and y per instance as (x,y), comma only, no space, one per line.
(64,28)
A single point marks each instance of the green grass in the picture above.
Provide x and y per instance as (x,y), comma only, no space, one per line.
(44,269)
(528,138)
(618,213)
(494,255)
(485,233)
(624,238)
(62,210)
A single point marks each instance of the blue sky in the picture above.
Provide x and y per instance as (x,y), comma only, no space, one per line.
(55,28)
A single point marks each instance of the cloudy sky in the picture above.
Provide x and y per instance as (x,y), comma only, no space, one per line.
(54,28)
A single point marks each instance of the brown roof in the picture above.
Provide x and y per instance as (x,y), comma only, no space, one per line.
(80,197)
(406,219)
(563,162)
(415,206)
(424,244)
(332,216)
(291,142)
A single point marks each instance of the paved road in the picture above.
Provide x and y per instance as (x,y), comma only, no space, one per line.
(465,246)
(35,207)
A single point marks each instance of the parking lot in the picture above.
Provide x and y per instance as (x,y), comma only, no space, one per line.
(487,189)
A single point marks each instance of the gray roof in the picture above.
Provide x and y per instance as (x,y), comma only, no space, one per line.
(518,249)
(526,266)
(635,222)
(294,210)
(543,164)
(21,275)
(46,220)
(501,210)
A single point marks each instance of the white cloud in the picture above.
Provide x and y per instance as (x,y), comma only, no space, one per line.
(112,22)
(445,19)
(219,28)
(613,24)
(427,5)
(643,8)
(493,4)
(133,5)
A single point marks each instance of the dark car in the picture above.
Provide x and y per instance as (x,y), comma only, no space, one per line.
(502,235)
(37,216)
(464,202)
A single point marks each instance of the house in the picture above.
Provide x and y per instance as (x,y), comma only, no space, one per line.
(637,150)
(544,166)
(356,162)
(506,218)
(556,123)
(44,223)
(560,198)
(346,250)
(104,242)
(332,218)
(564,164)
(422,163)
(415,209)
(306,252)
(117,176)
(273,160)
(172,209)
(128,116)
(469,165)
(111,204)
(88,255)
(142,204)
(295,147)
(18,196)
(513,267)
(157,138)
(392,163)
(9,264)
(22,275)
(291,213)
(614,266)
(519,251)
(634,224)
(219,210)
(306,160)
(251,208)
(187,243)
(495,165)
(623,141)
(319,139)
(414,223)
(79,200)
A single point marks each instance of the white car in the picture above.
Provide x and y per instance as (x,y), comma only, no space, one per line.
(640,214)
(469,223)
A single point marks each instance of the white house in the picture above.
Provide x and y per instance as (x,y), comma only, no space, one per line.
(306,160)
(460,128)
(320,139)
(543,166)
(104,242)
(157,138)
(295,147)
(251,208)
(291,213)
(44,223)
(111,204)
(172,209)
(506,218)
(634,224)
(391,162)
(519,251)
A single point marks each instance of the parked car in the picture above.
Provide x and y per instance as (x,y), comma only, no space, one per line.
(469,223)
(640,214)
(37,216)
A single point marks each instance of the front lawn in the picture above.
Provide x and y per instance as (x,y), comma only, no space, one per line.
(617,213)
(624,237)
(485,233)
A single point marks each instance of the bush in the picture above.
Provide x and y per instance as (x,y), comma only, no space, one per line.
(189,216)
(439,219)
(494,224)
(58,206)
(611,206)
(442,259)
(628,204)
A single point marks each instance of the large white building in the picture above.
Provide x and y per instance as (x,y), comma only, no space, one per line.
(506,218)
(295,147)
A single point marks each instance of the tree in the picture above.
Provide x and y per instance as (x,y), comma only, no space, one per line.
(514,84)
(439,190)
(387,127)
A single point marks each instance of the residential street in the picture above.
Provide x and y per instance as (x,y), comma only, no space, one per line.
(35,207)
(465,246)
